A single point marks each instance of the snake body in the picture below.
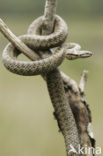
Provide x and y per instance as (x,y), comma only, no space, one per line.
(34,40)
(38,42)
(47,66)
(30,68)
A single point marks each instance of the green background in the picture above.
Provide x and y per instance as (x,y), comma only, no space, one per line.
(27,126)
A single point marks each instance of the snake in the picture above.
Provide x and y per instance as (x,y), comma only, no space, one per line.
(38,42)
(48,66)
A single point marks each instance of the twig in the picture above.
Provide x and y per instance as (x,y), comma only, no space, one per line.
(49,12)
(83,81)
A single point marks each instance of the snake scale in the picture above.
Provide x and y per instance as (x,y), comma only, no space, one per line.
(48,67)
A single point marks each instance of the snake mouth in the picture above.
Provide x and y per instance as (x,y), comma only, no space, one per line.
(84,53)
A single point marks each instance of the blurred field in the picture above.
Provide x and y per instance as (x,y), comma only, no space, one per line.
(27,126)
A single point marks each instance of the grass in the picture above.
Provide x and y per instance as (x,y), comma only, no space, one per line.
(27,126)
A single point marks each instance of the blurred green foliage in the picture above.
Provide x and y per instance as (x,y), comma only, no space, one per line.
(64,6)
(27,126)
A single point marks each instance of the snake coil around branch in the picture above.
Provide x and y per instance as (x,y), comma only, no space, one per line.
(44,45)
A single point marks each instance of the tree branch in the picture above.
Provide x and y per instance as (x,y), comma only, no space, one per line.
(48,20)
(70,82)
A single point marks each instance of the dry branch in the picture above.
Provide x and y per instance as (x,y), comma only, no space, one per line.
(83,81)
(17,42)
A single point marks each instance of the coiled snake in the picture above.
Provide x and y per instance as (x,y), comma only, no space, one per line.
(37,42)
(48,68)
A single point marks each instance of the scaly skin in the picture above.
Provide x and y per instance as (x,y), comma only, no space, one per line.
(43,42)
(47,66)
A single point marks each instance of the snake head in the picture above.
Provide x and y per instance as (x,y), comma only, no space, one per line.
(73,51)
(75,54)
